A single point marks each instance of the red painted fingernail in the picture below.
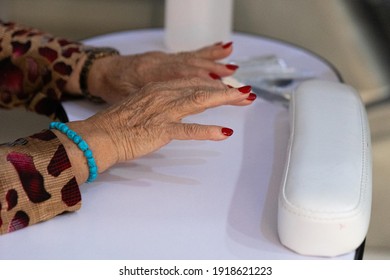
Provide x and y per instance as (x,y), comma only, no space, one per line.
(231,66)
(227,131)
(252,97)
(245,89)
(214,76)
(227,45)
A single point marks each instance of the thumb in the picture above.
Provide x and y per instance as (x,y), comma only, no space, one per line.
(192,131)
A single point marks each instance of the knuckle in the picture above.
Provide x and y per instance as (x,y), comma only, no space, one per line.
(195,81)
(195,131)
(199,132)
(190,130)
(200,97)
(186,56)
(192,60)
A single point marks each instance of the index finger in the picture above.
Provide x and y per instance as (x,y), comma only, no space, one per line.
(201,99)
(215,52)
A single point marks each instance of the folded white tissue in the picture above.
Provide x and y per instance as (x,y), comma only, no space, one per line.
(325,197)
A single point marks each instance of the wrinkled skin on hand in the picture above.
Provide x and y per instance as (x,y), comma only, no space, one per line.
(115,77)
(150,119)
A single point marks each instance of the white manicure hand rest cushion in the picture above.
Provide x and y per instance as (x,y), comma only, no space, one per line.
(325,198)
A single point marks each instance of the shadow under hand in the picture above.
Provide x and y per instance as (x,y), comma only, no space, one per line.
(156,167)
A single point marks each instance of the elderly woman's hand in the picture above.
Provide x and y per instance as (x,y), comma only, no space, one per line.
(150,119)
(115,77)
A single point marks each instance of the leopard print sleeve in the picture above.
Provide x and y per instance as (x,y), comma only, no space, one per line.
(36,178)
(34,68)
(36,181)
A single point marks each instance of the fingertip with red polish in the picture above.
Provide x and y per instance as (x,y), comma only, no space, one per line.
(227,45)
(214,76)
(227,131)
(232,67)
(245,89)
(252,97)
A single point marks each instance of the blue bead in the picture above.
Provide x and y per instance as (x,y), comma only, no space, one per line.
(83,145)
(92,177)
(76,139)
(91,161)
(70,133)
(93,169)
(62,126)
(88,154)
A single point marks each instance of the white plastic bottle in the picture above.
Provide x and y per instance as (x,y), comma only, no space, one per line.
(191,24)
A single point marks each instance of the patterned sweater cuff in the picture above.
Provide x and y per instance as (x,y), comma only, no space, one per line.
(36,181)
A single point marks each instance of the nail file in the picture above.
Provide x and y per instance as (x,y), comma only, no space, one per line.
(325,197)
(264,94)
(271,96)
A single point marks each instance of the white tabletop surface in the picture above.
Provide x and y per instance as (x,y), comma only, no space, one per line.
(189,200)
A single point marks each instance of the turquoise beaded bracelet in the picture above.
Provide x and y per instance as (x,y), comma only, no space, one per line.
(82,145)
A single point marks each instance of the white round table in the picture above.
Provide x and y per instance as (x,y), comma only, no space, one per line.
(191,199)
